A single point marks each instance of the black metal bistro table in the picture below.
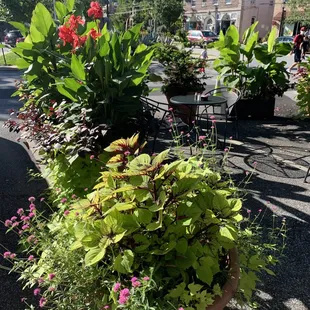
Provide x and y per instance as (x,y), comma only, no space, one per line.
(189,101)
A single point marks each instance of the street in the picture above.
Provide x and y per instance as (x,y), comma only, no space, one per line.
(15,188)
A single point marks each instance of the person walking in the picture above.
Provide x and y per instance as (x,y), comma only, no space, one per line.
(204,56)
(298,41)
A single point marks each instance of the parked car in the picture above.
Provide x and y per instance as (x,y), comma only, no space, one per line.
(285,39)
(12,36)
(201,37)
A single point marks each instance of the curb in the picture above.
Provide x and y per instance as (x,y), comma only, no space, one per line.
(9,68)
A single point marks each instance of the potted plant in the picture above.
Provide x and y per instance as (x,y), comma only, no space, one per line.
(303,90)
(81,87)
(153,234)
(259,84)
(181,75)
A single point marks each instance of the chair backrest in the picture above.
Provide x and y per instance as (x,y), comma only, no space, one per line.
(231,94)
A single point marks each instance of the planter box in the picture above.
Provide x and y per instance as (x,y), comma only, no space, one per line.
(256,108)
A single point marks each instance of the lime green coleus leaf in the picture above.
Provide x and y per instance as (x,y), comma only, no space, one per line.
(94,255)
(124,261)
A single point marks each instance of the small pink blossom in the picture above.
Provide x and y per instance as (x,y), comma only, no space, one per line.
(146,278)
(230,138)
(30,238)
(8,223)
(188,135)
(213,121)
(116,287)
(91,157)
(26,219)
(248,211)
(26,226)
(255,163)
(212,117)
(170,120)
(31,199)
(125,292)
(67,212)
(13,255)
(20,211)
(202,137)
(40,280)
(182,132)
(31,257)
(63,200)
(226,149)
(86,189)
(15,224)
(6,254)
(170,130)
(133,279)
(36,291)
(42,302)
(31,214)
(136,284)
(170,109)
(193,122)
(106,307)
(122,300)
(127,153)
(181,308)
(247,173)
(42,199)
(212,127)
(51,289)
(13,218)
(73,196)
(32,207)
(260,210)
(51,276)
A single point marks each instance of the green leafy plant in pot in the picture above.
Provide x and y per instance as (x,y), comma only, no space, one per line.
(81,86)
(182,75)
(258,84)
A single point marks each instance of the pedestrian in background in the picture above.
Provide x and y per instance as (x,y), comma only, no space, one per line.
(204,56)
(298,41)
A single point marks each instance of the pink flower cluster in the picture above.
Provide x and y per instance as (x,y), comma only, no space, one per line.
(124,294)
(24,219)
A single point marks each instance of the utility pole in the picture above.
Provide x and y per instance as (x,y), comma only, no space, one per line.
(216,6)
(281,28)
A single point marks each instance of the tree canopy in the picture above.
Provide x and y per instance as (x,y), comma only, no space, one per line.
(21,10)
(299,11)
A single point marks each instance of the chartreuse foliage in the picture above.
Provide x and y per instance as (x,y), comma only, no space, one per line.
(268,78)
(171,221)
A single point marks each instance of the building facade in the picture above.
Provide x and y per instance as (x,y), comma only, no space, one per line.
(218,15)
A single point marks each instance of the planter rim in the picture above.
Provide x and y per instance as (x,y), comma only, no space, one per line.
(231,285)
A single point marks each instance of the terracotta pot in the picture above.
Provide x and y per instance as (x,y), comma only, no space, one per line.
(231,285)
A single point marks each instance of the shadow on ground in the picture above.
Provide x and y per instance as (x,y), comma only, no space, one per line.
(15,188)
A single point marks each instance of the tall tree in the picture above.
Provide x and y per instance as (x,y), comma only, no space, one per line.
(21,10)
(299,11)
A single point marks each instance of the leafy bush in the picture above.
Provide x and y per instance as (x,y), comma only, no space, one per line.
(266,80)
(152,235)
(181,70)
(303,90)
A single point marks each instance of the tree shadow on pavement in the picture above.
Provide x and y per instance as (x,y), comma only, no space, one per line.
(15,188)
(289,289)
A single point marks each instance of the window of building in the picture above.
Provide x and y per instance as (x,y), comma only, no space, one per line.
(253,20)
(204,3)
(215,2)
(228,1)
(193,2)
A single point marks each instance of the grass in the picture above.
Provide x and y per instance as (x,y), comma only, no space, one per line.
(10,59)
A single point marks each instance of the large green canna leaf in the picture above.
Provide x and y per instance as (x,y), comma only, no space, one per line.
(272,39)
(70,5)
(21,27)
(43,20)
(77,68)
(35,35)
(232,36)
(61,11)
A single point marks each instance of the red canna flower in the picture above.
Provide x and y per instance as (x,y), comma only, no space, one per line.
(95,10)
(66,35)
(74,22)
(94,34)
